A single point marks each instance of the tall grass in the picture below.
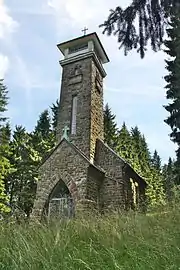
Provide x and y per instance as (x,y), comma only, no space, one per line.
(130,241)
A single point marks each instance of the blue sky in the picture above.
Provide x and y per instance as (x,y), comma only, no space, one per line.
(29,63)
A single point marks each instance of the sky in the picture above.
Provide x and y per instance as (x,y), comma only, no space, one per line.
(29,64)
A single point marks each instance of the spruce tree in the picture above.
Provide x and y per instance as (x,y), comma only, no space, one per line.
(150,171)
(156,161)
(25,159)
(43,137)
(3,102)
(146,152)
(110,128)
(173,84)
(142,22)
(125,145)
(43,126)
(169,179)
(141,155)
(54,110)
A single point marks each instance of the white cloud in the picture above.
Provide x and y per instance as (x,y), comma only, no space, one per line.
(7,23)
(82,11)
(4,64)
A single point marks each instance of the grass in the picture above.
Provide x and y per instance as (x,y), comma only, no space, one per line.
(130,241)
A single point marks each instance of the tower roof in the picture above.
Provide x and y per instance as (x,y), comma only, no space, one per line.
(90,37)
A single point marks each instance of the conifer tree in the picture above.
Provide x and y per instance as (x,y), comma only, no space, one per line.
(43,138)
(141,155)
(110,128)
(142,22)
(173,84)
(146,152)
(54,110)
(156,161)
(169,179)
(6,151)
(43,126)
(5,166)
(137,149)
(3,101)
(151,172)
(125,145)
(22,183)
(155,190)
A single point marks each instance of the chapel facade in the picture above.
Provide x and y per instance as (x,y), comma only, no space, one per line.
(82,172)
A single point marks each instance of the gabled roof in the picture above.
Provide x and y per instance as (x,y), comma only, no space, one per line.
(127,165)
(78,151)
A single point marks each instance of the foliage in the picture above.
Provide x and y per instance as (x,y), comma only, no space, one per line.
(22,182)
(4,170)
(5,166)
(43,137)
(125,145)
(27,152)
(173,84)
(156,161)
(112,242)
(54,110)
(155,190)
(3,101)
(141,22)
(110,128)
(133,147)
(168,172)
(141,156)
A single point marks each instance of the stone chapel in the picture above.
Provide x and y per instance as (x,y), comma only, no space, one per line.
(82,172)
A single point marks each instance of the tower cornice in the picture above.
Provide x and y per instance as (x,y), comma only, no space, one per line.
(84,56)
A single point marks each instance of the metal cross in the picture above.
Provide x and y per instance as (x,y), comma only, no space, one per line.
(84,30)
(65,133)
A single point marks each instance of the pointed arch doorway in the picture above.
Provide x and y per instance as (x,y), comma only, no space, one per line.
(60,202)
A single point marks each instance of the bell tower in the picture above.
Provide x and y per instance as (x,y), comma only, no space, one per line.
(81,96)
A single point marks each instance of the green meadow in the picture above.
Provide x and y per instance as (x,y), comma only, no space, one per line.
(117,241)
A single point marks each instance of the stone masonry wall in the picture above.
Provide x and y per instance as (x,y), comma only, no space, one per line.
(70,86)
(82,78)
(94,182)
(112,190)
(65,164)
(97,117)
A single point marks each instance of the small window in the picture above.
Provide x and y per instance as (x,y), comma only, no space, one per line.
(78,48)
(74,115)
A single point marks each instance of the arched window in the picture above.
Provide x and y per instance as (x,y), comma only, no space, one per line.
(60,203)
